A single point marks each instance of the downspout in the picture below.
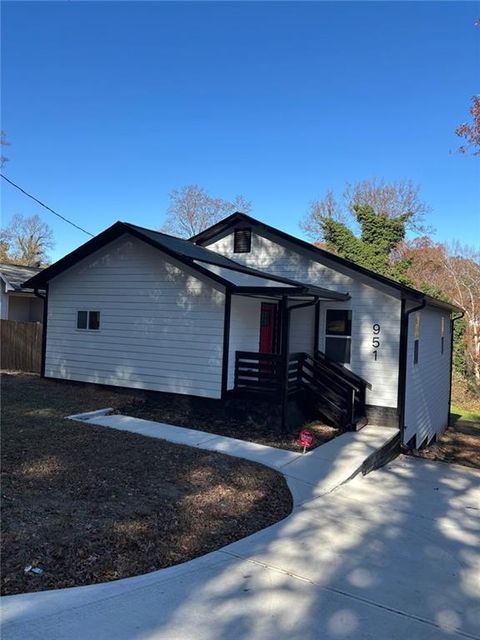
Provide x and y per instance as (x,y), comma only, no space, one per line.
(44,328)
(402,374)
(452,321)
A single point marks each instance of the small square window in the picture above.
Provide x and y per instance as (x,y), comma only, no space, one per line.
(415,352)
(89,320)
(242,240)
(82,319)
(94,320)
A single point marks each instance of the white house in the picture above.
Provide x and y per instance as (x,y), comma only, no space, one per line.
(245,308)
(16,303)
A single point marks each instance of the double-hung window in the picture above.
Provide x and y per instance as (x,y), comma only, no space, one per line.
(338,335)
(88,320)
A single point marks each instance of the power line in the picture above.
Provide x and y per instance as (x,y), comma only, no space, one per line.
(29,195)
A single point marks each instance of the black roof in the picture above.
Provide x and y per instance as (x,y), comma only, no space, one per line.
(195,256)
(238,217)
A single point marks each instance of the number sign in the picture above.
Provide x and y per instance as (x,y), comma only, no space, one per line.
(376,328)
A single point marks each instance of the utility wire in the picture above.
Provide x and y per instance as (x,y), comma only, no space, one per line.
(45,206)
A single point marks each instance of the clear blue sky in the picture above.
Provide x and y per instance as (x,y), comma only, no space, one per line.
(108,106)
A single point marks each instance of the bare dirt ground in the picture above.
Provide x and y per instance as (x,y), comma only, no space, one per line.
(251,418)
(86,504)
(459,444)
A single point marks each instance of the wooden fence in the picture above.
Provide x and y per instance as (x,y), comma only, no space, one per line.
(20,345)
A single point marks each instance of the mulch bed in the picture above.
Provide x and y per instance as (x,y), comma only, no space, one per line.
(248,418)
(459,444)
(87,504)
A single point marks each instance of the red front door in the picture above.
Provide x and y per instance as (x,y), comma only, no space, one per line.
(268,321)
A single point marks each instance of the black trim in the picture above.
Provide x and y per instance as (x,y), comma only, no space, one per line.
(226,341)
(402,368)
(120,228)
(316,336)
(44,333)
(224,225)
(285,316)
(452,327)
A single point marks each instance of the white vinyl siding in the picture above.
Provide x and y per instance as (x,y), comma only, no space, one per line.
(369,305)
(302,329)
(427,382)
(161,324)
(244,330)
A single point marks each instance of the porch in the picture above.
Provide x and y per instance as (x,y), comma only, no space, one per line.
(327,387)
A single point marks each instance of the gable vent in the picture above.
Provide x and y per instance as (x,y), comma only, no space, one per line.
(242,241)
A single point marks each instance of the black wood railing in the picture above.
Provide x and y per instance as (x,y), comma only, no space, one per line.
(337,393)
(259,372)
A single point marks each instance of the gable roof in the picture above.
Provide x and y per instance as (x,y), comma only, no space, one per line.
(316,253)
(14,274)
(235,277)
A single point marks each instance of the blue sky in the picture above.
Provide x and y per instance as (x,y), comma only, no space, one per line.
(109,106)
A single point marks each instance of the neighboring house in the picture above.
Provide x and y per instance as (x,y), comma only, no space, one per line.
(16,303)
(246,308)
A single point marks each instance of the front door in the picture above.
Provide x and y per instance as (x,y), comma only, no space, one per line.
(268,325)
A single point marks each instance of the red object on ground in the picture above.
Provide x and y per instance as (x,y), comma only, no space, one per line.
(306,438)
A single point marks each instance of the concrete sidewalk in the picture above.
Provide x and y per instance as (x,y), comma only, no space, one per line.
(394,554)
(308,475)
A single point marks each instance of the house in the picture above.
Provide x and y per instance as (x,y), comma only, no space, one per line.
(245,308)
(16,303)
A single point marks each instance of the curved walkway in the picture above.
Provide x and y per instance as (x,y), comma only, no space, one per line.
(391,555)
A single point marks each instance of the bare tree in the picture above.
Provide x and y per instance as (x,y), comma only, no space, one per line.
(453,270)
(3,143)
(470,131)
(327,208)
(399,200)
(26,240)
(192,210)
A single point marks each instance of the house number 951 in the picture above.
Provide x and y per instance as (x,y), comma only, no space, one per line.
(376,339)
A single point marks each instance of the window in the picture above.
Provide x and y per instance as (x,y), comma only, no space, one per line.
(88,320)
(242,240)
(338,335)
(416,344)
(442,341)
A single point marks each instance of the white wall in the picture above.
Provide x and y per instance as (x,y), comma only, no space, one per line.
(25,308)
(244,330)
(161,325)
(369,305)
(302,329)
(3,301)
(428,382)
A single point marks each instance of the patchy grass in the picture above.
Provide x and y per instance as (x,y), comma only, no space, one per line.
(88,504)
(247,418)
(469,415)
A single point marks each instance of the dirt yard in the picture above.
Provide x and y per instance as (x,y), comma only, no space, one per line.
(459,444)
(249,419)
(84,504)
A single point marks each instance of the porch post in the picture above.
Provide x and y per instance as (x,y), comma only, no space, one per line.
(285,347)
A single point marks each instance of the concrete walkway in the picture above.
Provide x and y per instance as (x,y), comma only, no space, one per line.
(392,555)
(308,476)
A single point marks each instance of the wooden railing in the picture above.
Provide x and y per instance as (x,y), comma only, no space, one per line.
(340,395)
(337,392)
(259,372)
